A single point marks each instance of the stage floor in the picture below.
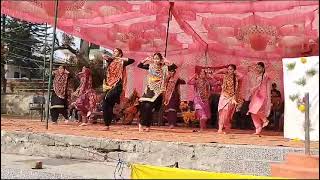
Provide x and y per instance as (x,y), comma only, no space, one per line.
(163,133)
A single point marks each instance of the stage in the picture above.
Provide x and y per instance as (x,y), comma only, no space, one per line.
(237,152)
(162,133)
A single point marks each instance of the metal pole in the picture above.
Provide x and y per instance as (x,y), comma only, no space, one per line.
(44,68)
(206,55)
(168,25)
(51,59)
(307,125)
(160,115)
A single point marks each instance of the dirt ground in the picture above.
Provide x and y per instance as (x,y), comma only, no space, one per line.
(163,133)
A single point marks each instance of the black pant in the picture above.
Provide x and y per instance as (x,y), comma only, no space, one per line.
(243,121)
(274,117)
(146,109)
(214,101)
(112,97)
(146,113)
(107,112)
(55,113)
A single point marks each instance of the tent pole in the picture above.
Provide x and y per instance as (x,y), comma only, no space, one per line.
(206,55)
(160,115)
(168,25)
(44,68)
(51,59)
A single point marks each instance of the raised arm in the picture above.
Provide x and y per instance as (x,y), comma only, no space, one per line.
(143,66)
(127,61)
(219,73)
(192,81)
(54,72)
(106,58)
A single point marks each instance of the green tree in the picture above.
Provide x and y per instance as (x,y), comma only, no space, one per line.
(25,43)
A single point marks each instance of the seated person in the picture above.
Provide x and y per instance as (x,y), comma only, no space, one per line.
(276,107)
(130,110)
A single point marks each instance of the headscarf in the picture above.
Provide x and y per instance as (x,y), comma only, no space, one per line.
(60,82)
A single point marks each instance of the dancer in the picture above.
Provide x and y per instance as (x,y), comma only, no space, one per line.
(87,98)
(59,94)
(229,97)
(260,104)
(202,84)
(152,98)
(172,97)
(114,83)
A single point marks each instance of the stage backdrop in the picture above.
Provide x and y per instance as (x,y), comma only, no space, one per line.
(301,75)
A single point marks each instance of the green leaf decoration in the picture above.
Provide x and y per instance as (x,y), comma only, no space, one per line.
(294,97)
(291,66)
(311,72)
(301,82)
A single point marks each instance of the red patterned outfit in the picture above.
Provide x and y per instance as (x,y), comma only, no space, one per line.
(59,100)
(86,96)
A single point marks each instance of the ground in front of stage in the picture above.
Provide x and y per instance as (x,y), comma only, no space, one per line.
(163,133)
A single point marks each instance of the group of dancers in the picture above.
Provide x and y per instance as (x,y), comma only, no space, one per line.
(162,89)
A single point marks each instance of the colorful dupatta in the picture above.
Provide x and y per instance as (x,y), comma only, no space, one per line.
(60,82)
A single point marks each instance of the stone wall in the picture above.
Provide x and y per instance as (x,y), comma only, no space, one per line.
(244,159)
(17,104)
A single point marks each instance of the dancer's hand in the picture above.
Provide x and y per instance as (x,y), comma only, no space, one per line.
(233,101)
(166,62)
(124,59)
(146,60)
(105,56)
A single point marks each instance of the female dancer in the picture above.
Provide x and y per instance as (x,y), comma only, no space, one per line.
(86,101)
(202,84)
(172,97)
(59,94)
(229,97)
(152,97)
(260,104)
(114,83)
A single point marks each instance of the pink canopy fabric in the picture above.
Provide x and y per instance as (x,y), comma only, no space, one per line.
(202,33)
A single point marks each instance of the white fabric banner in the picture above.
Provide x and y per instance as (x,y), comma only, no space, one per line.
(301,75)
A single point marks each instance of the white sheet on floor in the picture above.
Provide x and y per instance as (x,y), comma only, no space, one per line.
(293,118)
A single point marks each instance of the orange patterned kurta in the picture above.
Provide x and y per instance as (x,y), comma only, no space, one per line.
(230,87)
(114,73)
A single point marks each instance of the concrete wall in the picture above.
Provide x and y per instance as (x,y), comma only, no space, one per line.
(17,104)
(244,159)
